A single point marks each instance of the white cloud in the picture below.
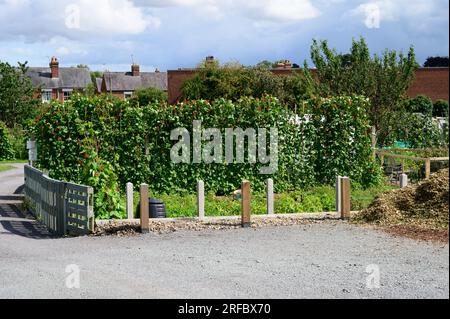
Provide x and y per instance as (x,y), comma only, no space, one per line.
(40,20)
(276,10)
(374,12)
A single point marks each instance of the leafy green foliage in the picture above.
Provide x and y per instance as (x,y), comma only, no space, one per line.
(149,95)
(17,95)
(420,104)
(6,149)
(105,143)
(440,108)
(313,200)
(413,123)
(233,81)
(383,79)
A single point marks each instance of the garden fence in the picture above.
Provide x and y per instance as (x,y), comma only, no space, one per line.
(65,208)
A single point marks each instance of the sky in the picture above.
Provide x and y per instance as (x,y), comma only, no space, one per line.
(172,34)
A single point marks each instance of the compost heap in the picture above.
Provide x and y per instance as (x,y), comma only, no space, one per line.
(424,205)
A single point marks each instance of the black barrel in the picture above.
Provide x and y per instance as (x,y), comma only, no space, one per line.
(157,209)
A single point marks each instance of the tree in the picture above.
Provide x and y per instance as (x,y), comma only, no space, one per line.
(383,79)
(18,101)
(233,81)
(436,61)
(149,95)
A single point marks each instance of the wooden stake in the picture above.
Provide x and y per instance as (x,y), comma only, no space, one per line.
(345,197)
(245,204)
(145,223)
(427,168)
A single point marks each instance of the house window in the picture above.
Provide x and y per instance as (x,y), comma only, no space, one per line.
(46,96)
(128,95)
(67,94)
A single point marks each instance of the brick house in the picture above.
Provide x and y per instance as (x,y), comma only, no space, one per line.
(55,83)
(124,84)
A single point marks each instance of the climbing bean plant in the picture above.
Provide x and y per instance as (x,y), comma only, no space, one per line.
(105,142)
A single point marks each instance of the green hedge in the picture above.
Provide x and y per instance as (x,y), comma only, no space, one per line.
(105,143)
(6,148)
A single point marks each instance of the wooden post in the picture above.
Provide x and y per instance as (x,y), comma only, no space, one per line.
(374,142)
(270,197)
(245,204)
(145,223)
(201,199)
(382,160)
(130,213)
(403,166)
(345,198)
(427,168)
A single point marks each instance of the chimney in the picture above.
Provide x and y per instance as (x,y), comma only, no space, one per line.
(135,69)
(54,67)
(209,60)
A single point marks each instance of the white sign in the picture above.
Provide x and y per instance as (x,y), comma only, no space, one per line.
(31,144)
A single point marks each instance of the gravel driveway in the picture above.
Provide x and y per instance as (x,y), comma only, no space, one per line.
(318,260)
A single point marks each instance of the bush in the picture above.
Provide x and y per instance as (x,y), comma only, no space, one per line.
(420,104)
(105,142)
(6,149)
(148,95)
(440,108)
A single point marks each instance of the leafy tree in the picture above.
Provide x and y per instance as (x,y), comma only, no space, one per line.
(440,108)
(18,101)
(265,64)
(95,75)
(233,81)
(149,95)
(383,79)
(420,104)
(436,61)
(6,149)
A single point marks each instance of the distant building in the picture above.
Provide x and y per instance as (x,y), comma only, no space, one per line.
(124,84)
(55,83)
(432,82)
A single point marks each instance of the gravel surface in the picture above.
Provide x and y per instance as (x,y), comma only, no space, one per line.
(316,260)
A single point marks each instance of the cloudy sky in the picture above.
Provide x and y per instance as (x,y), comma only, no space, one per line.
(168,34)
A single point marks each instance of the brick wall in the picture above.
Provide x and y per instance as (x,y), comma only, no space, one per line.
(432,82)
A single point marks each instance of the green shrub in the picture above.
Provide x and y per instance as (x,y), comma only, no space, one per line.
(105,143)
(148,95)
(6,149)
(420,104)
(440,108)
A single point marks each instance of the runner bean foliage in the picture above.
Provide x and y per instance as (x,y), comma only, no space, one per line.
(105,143)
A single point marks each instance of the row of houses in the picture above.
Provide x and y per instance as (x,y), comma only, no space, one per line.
(58,83)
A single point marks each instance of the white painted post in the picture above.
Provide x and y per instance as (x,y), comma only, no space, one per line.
(403,180)
(338,194)
(270,197)
(201,199)
(130,212)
